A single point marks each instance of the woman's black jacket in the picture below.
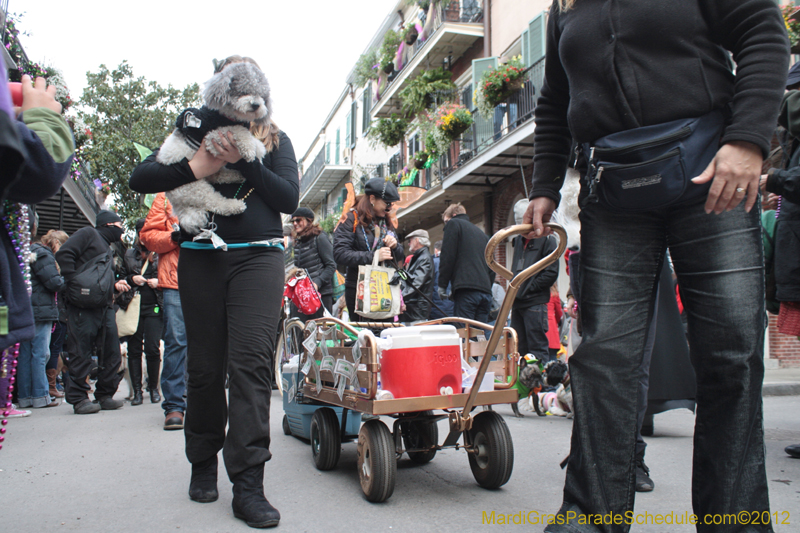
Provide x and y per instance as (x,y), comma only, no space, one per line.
(46,281)
(350,249)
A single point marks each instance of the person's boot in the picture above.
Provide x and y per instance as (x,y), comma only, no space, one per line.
(51,379)
(249,503)
(152,380)
(203,485)
(643,481)
(135,369)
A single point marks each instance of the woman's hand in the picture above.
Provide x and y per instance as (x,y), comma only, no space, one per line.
(539,211)
(226,150)
(204,164)
(122,286)
(385,254)
(139,280)
(390,241)
(152,283)
(736,170)
(570,308)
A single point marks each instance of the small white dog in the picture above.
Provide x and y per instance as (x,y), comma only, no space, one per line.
(234,98)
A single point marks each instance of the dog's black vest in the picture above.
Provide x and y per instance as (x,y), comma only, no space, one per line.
(195,123)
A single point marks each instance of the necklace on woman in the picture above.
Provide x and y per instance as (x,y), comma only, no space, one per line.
(377,240)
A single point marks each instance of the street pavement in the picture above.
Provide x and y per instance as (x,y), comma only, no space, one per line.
(120,471)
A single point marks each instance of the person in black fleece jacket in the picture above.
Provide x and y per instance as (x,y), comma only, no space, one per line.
(613,66)
(463,266)
(87,328)
(231,302)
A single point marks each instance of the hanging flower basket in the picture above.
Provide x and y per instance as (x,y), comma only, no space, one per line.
(388,68)
(411,35)
(498,84)
(420,158)
(452,120)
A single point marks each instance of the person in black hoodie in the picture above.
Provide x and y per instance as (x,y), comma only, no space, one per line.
(231,305)
(88,327)
(313,251)
(148,333)
(420,273)
(529,311)
(613,67)
(463,266)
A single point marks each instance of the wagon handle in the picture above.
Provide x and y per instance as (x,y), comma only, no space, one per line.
(462,422)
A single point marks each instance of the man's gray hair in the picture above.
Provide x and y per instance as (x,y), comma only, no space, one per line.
(423,241)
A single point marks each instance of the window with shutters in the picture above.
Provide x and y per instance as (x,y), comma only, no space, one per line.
(347,130)
(483,126)
(534,40)
(413,145)
(366,98)
(338,145)
(353,124)
(328,153)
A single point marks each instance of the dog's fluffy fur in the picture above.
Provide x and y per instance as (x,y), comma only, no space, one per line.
(568,210)
(240,93)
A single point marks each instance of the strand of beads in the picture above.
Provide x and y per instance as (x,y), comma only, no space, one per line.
(8,373)
(17,222)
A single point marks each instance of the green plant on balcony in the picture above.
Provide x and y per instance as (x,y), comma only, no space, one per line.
(410,33)
(391,41)
(420,158)
(792,26)
(452,120)
(497,84)
(388,131)
(367,68)
(420,93)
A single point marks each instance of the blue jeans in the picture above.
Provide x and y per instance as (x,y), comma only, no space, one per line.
(472,304)
(32,386)
(173,375)
(719,263)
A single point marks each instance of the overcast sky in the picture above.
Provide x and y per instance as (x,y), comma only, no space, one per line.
(305,47)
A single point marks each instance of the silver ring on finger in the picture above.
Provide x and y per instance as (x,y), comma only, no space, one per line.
(739,190)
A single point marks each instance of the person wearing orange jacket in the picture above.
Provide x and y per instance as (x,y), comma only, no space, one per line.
(161,235)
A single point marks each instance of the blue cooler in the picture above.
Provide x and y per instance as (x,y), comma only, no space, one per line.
(298,415)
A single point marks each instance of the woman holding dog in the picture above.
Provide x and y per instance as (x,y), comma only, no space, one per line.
(367,229)
(231,303)
(623,67)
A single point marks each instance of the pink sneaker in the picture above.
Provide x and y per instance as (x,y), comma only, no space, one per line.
(17,413)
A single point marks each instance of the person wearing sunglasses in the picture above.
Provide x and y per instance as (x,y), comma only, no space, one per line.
(313,252)
(367,228)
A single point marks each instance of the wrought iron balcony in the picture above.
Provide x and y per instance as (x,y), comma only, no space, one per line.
(452,32)
(320,177)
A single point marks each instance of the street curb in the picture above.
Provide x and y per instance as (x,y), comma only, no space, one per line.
(781,389)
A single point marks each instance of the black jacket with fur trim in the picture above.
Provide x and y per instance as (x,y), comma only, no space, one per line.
(617,65)
(46,281)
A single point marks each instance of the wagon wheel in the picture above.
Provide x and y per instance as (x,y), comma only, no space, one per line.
(377,465)
(326,443)
(419,434)
(493,457)
(286,430)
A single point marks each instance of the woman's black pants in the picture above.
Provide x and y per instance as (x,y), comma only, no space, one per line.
(231,303)
(147,337)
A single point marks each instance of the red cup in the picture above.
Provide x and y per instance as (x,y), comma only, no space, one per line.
(16,92)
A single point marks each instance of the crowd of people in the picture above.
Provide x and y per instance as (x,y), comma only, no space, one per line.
(210,311)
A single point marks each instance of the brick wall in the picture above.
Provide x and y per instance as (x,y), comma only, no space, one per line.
(784,348)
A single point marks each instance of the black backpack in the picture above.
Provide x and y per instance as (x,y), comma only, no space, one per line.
(92,285)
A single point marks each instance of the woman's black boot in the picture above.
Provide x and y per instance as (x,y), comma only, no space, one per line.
(203,486)
(136,379)
(249,503)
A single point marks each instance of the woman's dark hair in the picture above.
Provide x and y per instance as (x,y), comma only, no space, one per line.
(365,213)
(312,230)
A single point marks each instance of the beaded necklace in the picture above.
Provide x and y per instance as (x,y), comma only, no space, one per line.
(17,223)
(239,189)
(382,226)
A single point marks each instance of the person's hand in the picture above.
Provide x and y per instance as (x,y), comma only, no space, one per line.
(204,164)
(770,201)
(38,94)
(735,171)
(139,280)
(122,286)
(226,150)
(539,211)
(762,183)
(403,307)
(443,293)
(152,283)
(385,254)
(570,310)
(316,287)
(390,241)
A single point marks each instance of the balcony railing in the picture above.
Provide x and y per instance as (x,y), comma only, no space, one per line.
(313,171)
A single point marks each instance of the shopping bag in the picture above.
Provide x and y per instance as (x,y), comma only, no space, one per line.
(376,298)
(301,291)
(128,319)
